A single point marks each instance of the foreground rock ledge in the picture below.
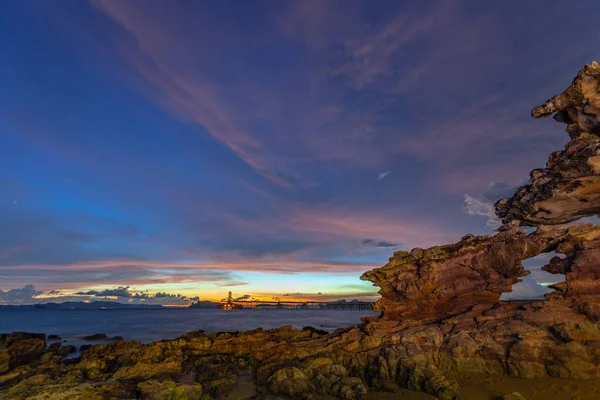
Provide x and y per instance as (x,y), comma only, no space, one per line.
(440,310)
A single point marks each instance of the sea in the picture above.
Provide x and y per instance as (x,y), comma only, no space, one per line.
(166,323)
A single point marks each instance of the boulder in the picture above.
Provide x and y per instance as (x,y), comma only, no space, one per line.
(158,390)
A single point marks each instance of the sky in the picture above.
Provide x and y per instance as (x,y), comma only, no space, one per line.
(170,151)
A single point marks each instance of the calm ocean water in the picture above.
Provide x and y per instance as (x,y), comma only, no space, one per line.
(151,325)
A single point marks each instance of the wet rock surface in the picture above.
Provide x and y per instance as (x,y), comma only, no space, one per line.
(440,311)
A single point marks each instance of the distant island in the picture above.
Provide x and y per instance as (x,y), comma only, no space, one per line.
(204,304)
(81,305)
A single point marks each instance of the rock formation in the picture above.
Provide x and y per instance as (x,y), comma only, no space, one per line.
(569,187)
(581,267)
(440,310)
(443,281)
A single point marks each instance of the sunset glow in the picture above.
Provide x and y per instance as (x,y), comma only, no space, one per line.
(178,151)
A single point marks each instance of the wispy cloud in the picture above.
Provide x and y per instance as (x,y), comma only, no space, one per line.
(375,243)
(279,266)
(383,175)
(179,89)
(484,208)
(483,204)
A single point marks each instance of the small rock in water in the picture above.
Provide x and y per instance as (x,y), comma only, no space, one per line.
(118,338)
(71,349)
(314,330)
(54,346)
(96,336)
(64,350)
(84,347)
(53,337)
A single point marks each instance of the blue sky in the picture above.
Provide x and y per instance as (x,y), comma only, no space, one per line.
(264,147)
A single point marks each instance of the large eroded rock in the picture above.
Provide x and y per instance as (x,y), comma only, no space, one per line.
(446,280)
(569,187)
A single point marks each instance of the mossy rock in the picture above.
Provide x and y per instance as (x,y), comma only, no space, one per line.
(290,381)
(145,371)
(169,390)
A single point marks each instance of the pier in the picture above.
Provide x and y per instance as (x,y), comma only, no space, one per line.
(231,304)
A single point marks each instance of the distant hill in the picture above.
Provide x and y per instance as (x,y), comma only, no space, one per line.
(354,301)
(80,305)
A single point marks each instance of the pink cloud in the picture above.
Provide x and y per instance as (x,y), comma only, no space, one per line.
(384,224)
(308,119)
(180,89)
(268,265)
(326,225)
(444,63)
(375,54)
(457,81)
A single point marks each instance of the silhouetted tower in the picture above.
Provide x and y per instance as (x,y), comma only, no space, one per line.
(230,298)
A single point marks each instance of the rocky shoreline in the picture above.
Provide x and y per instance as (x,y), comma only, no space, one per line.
(441,312)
